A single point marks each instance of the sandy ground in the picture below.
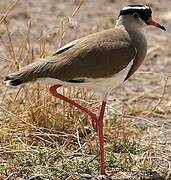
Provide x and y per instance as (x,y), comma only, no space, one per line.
(148,89)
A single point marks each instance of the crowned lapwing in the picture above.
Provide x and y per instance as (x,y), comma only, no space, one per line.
(100,61)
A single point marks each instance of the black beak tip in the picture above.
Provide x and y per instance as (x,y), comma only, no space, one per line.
(162,27)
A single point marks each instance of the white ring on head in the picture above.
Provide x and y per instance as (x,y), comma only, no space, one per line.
(136,7)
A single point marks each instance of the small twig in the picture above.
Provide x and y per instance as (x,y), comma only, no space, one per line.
(54,135)
(5,59)
(42,47)
(116,110)
(167,123)
(4,95)
(10,9)
(163,159)
(18,92)
(12,47)
(77,8)
(90,161)
(26,44)
(152,51)
(84,144)
(9,177)
(17,151)
(45,140)
(148,121)
(78,140)
(15,116)
(160,99)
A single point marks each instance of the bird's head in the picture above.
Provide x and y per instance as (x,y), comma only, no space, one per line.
(140,15)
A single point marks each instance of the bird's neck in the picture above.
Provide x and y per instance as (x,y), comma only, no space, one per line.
(131,25)
(136,32)
(135,29)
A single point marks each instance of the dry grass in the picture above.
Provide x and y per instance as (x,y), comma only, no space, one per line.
(43,137)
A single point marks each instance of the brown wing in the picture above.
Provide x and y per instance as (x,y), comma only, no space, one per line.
(97,56)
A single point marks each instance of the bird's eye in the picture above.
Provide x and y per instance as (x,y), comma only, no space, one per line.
(136,15)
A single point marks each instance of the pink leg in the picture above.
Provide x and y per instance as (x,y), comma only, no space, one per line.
(53,91)
(101,139)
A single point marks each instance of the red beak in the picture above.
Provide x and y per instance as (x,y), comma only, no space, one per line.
(153,22)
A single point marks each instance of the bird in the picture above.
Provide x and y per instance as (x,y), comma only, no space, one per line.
(101,61)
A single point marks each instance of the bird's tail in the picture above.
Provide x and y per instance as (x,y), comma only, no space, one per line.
(26,74)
